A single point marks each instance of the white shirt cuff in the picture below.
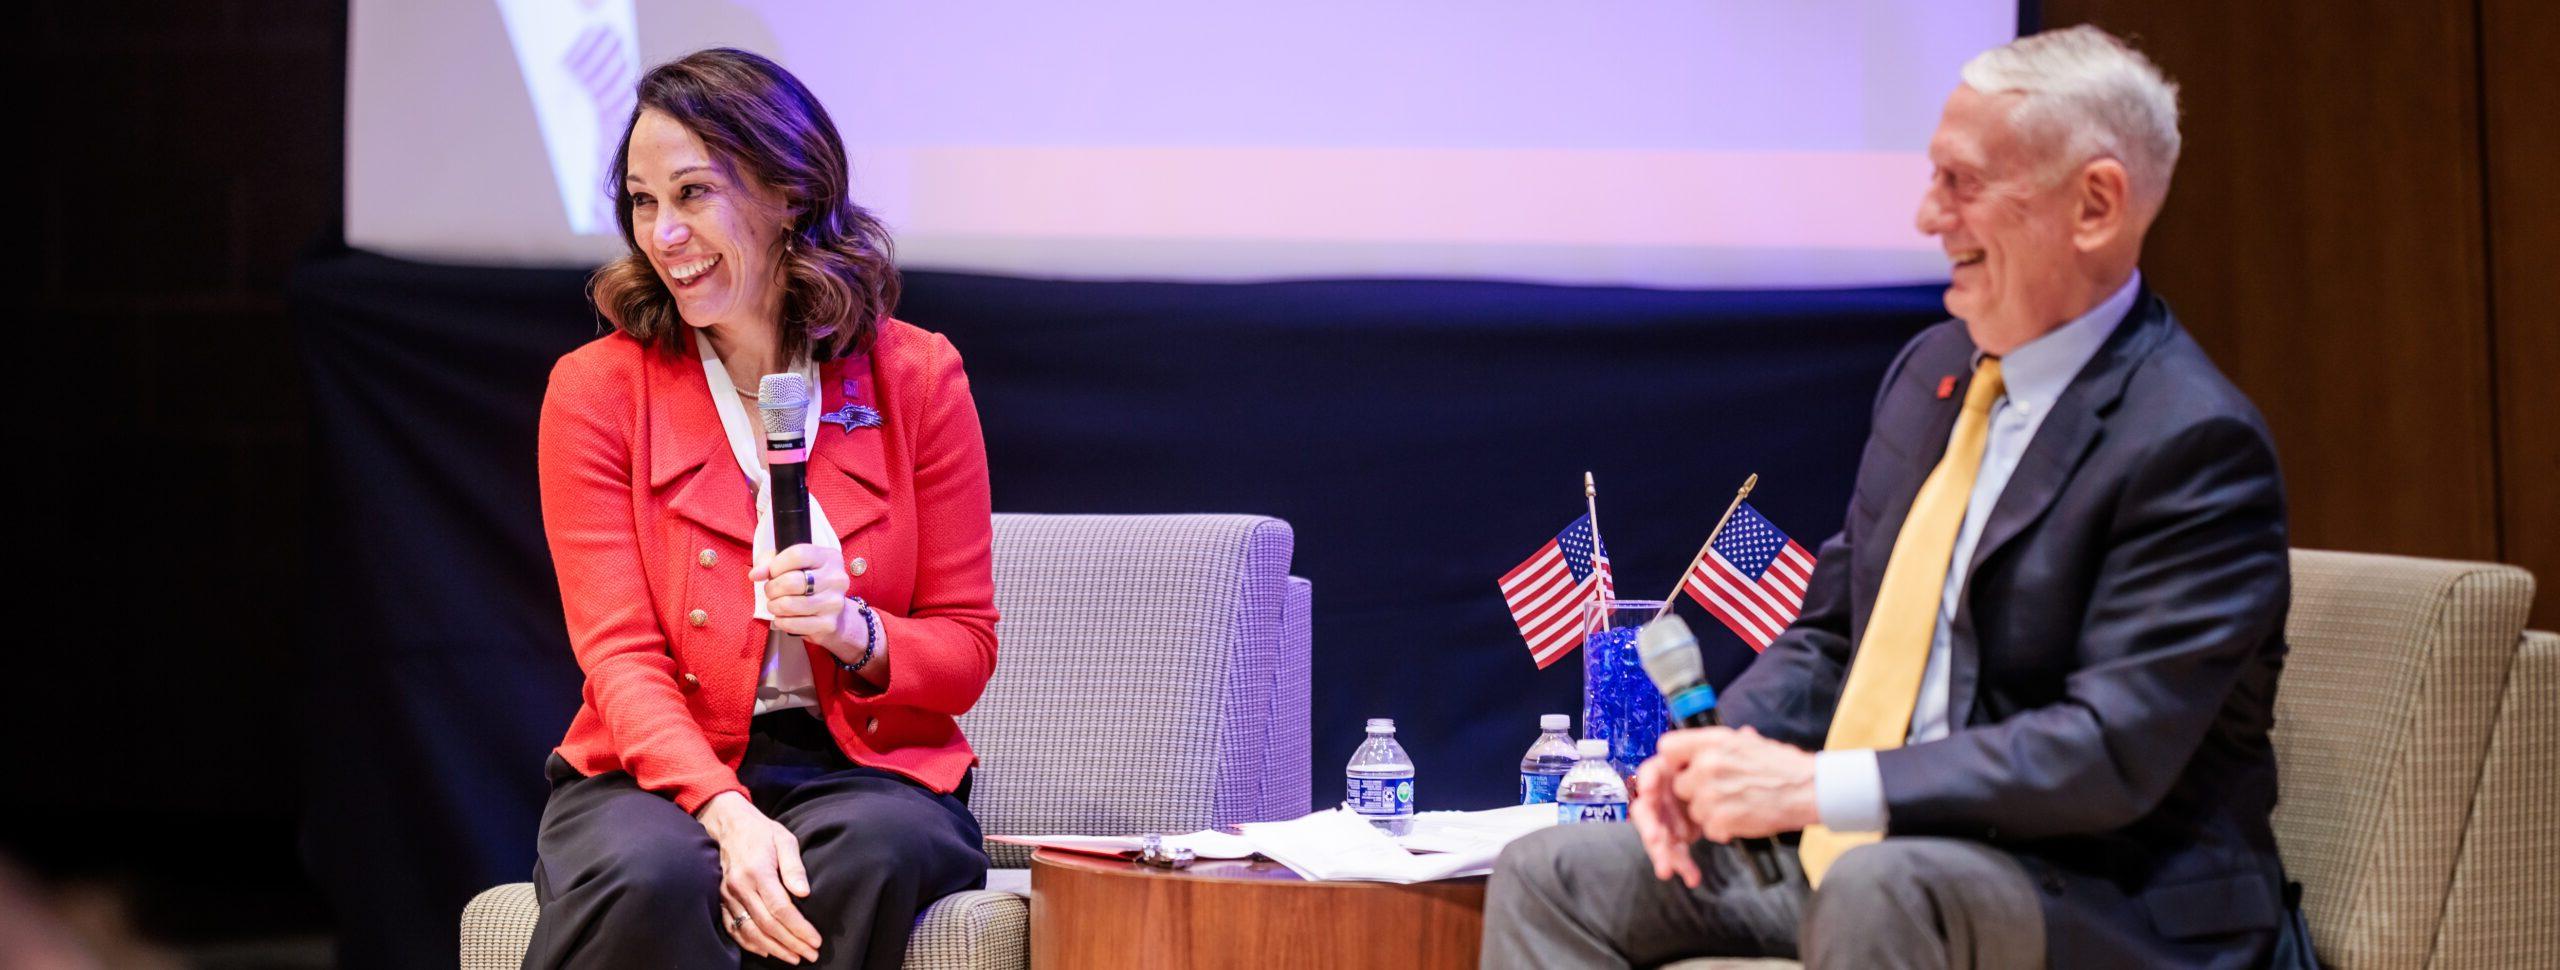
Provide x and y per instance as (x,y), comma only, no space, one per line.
(1848,790)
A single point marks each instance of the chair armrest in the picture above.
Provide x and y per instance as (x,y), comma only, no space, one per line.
(497,925)
(2501,910)
(975,930)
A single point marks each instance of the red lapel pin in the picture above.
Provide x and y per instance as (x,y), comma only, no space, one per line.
(1946,387)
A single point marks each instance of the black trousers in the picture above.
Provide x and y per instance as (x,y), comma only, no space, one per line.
(627,879)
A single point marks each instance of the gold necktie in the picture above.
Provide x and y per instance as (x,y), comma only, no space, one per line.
(1884,677)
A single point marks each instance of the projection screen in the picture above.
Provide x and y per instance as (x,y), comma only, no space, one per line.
(1696,144)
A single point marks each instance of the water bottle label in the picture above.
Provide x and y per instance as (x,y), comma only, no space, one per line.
(1568,813)
(1381,796)
(1538,789)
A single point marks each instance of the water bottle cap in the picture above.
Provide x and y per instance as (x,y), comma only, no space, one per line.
(1554,722)
(1592,748)
(1382,725)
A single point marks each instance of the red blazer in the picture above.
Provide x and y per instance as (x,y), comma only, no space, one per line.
(651,524)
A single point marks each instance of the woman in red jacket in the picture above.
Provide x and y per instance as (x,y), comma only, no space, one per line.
(765,759)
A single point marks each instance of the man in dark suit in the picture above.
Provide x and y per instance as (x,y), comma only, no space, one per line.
(2022,719)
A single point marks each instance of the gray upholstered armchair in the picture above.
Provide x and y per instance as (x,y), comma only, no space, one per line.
(1151,675)
(2418,745)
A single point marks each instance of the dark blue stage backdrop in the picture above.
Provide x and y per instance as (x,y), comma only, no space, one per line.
(1422,437)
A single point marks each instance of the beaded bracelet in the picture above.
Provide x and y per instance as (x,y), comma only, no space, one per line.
(870,637)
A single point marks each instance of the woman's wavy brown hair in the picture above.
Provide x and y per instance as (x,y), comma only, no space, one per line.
(838,280)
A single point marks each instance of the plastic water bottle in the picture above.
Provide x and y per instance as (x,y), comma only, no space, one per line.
(1381,779)
(1592,791)
(1547,761)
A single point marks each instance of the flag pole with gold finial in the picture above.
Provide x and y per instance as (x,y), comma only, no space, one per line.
(1738,496)
(1591,509)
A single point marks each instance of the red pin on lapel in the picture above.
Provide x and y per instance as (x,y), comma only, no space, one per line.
(1946,387)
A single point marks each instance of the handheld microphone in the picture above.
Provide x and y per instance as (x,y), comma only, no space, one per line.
(783,403)
(1670,655)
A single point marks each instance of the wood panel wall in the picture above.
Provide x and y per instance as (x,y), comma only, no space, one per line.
(2362,232)
(2520,72)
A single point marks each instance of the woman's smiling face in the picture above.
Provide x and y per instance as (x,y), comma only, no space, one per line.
(713,233)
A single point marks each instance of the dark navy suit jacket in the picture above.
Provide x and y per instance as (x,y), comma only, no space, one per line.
(2115,653)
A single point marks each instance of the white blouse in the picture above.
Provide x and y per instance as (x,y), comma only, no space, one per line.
(787,682)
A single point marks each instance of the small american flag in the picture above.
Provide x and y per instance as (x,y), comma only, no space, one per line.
(1752,577)
(1546,592)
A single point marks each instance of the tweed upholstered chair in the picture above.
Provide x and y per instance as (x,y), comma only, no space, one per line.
(2418,740)
(1151,675)
(2418,750)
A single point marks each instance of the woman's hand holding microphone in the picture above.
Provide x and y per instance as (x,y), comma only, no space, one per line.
(804,587)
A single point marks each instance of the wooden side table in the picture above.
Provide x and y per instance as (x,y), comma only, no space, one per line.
(1090,911)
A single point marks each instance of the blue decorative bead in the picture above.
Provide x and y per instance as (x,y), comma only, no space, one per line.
(1619,703)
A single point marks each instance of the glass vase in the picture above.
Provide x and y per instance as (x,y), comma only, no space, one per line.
(1619,703)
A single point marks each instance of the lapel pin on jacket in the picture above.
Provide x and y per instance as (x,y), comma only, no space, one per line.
(850,415)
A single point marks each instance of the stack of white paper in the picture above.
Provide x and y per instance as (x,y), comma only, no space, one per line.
(1341,844)
(1475,831)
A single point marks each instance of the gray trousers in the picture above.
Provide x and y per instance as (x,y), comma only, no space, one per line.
(1585,896)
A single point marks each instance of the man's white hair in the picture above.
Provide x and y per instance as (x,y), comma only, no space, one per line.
(2090,96)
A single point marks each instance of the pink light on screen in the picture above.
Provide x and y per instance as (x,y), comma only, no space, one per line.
(1452,200)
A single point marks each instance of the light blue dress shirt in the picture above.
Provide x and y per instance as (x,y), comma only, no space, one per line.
(1847,789)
